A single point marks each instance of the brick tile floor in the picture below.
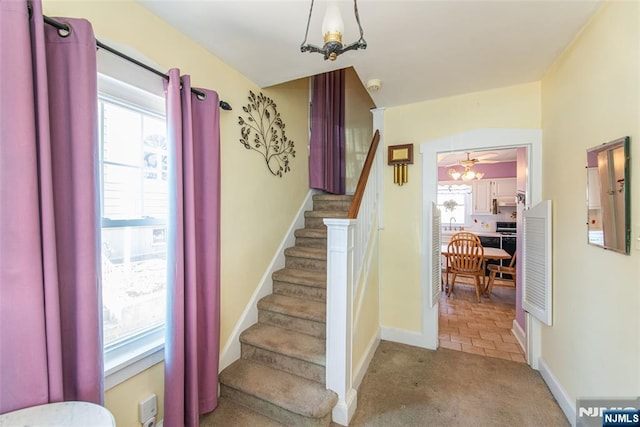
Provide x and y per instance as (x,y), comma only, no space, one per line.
(481,328)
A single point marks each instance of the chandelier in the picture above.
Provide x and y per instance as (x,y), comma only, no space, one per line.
(467,174)
(332,29)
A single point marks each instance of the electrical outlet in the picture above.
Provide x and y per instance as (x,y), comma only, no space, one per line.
(147,409)
(151,422)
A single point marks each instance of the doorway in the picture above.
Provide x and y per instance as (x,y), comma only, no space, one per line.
(475,140)
(476,192)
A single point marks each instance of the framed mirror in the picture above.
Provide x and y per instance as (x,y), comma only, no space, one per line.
(608,204)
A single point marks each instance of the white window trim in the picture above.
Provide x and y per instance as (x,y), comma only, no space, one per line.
(129,357)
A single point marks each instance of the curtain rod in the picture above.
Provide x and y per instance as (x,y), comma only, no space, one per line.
(64,27)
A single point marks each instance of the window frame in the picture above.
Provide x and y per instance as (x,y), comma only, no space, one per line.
(129,356)
(467,204)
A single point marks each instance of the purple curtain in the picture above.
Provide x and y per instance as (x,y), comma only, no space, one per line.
(50,304)
(327,168)
(193,295)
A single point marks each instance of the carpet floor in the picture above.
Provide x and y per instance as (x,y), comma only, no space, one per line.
(409,386)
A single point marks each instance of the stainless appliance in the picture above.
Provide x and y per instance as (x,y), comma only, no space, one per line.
(506,228)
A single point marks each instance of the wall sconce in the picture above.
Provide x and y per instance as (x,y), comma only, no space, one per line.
(400,156)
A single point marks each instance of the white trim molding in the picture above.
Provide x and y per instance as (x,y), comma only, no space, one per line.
(231,350)
(474,140)
(520,336)
(566,404)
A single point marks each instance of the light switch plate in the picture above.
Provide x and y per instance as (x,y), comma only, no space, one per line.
(148,408)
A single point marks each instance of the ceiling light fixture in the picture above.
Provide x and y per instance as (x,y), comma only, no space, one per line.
(468,174)
(332,29)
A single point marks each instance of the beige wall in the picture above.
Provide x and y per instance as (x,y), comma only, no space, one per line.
(358,127)
(366,319)
(510,107)
(590,96)
(257,207)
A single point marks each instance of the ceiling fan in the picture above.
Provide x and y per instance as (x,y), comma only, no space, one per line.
(454,159)
(468,174)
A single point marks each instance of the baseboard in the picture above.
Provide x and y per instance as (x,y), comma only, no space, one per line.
(566,404)
(520,335)
(231,350)
(343,411)
(404,336)
(363,365)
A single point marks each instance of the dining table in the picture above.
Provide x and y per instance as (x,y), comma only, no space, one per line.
(489,253)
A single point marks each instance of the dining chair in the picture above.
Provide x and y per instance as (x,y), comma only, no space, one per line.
(466,258)
(495,269)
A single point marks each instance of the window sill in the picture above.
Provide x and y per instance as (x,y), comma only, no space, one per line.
(132,358)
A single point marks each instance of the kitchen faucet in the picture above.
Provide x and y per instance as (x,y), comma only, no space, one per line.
(450,221)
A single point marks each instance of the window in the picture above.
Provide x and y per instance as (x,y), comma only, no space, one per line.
(454,201)
(134,206)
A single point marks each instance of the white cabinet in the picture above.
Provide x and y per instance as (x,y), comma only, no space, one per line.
(481,197)
(484,191)
(504,188)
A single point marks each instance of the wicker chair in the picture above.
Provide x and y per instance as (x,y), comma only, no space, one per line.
(466,258)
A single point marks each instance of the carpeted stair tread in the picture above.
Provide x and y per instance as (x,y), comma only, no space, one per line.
(325,214)
(314,279)
(314,233)
(286,342)
(291,392)
(339,197)
(306,252)
(231,414)
(295,307)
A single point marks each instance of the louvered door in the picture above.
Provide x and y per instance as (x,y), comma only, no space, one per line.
(436,268)
(536,268)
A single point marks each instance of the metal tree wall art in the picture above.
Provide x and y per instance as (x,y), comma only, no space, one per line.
(263,131)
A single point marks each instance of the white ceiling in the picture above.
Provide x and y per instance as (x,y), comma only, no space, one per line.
(420,50)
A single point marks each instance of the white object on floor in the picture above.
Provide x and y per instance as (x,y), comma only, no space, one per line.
(68,414)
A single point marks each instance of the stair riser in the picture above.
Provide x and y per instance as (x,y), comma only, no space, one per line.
(306,263)
(306,326)
(285,363)
(314,222)
(331,205)
(300,291)
(311,242)
(272,411)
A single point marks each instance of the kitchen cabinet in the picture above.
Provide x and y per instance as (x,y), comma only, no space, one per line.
(504,188)
(481,197)
(484,191)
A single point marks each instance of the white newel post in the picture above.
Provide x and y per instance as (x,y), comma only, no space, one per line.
(339,377)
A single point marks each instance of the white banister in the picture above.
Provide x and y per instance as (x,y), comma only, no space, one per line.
(347,243)
(339,375)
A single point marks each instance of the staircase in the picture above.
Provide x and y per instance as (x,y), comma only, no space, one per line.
(281,374)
